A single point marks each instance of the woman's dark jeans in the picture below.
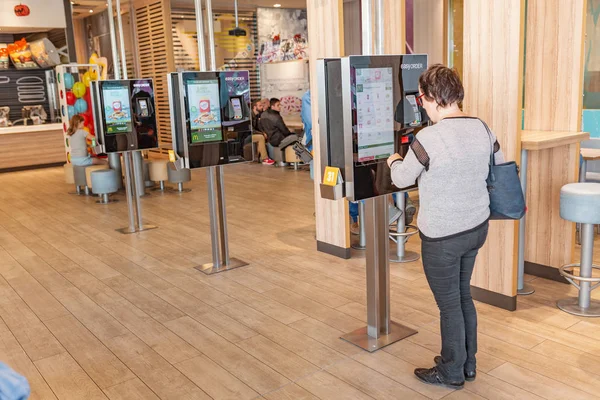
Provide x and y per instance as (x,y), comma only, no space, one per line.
(448,265)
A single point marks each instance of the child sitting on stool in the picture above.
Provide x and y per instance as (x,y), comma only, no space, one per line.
(77,138)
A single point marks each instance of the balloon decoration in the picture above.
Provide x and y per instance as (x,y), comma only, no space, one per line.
(102,63)
(69,81)
(81,106)
(87,78)
(79,89)
(71,112)
(71,98)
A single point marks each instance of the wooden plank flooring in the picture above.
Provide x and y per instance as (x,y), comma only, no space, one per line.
(89,313)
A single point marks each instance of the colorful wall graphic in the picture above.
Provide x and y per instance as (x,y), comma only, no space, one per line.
(282,35)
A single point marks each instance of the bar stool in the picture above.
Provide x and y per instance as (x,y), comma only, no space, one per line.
(179,177)
(88,174)
(580,203)
(291,157)
(158,173)
(401,235)
(80,180)
(104,183)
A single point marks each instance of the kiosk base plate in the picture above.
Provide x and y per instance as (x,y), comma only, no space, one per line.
(127,231)
(361,339)
(409,256)
(210,269)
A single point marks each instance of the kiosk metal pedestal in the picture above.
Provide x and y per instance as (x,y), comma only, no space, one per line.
(381,331)
(218,226)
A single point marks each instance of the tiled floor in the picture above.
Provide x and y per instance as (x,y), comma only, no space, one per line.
(89,313)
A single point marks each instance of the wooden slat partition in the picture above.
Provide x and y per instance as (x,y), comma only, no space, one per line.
(326,38)
(154,52)
(493,65)
(553,101)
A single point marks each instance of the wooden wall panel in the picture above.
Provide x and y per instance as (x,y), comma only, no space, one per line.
(553,101)
(154,52)
(326,38)
(394,26)
(352,28)
(493,93)
(429,34)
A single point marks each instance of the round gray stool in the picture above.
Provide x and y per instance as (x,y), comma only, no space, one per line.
(105,182)
(80,180)
(580,202)
(179,177)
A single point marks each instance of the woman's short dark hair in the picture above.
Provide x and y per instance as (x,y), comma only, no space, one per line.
(442,84)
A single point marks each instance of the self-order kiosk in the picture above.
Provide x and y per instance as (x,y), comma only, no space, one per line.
(125,114)
(211,117)
(372,111)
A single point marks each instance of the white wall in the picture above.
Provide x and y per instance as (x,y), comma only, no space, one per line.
(44,14)
(429,29)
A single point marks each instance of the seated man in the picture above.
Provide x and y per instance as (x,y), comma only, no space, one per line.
(259,137)
(273,125)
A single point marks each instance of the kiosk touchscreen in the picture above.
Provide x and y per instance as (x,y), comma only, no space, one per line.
(126,113)
(211,117)
(371,113)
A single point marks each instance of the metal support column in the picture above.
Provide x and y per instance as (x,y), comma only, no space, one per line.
(523,289)
(129,193)
(114,159)
(137,173)
(381,330)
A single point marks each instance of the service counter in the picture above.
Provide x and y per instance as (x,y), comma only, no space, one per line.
(549,160)
(31,146)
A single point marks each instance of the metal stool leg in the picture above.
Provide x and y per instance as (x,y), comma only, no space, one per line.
(583,305)
(399,254)
(87,191)
(361,242)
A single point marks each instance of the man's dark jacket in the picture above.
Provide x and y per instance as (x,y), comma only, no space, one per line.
(272,124)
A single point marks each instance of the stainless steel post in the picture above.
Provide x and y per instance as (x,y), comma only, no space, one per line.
(121,39)
(522,288)
(583,171)
(366,27)
(361,242)
(222,216)
(113,39)
(585,269)
(211,34)
(129,191)
(200,35)
(214,226)
(138,162)
(399,254)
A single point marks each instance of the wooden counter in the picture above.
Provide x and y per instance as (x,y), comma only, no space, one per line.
(31,146)
(540,140)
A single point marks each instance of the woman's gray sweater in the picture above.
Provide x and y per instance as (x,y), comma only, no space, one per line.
(451,162)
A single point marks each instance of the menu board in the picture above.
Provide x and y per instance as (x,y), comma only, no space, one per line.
(117,108)
(375,113)
(204,108)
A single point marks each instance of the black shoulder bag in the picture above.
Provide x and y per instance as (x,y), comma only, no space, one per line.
(506,196)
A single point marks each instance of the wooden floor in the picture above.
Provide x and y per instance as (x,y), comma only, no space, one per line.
(89,313)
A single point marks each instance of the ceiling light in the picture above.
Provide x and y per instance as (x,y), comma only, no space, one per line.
(91,11)
(277,5)
(72,3)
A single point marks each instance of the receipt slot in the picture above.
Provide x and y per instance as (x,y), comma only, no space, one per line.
(368,110)
(211,124)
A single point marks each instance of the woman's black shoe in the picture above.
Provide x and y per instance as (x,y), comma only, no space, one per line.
(469,375)
(433,377)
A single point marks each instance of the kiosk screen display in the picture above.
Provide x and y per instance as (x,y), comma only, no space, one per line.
(205,111)
(143,105)
(117,108)
(375,113)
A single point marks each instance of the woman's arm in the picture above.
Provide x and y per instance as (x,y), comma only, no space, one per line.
(405,172)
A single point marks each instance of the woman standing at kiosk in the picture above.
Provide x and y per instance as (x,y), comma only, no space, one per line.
(451,162)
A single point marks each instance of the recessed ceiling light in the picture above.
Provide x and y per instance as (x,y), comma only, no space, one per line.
(72,3)
(277,5)
(91,11)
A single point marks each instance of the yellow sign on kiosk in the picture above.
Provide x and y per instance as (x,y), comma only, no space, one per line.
(332,176)
(172,156)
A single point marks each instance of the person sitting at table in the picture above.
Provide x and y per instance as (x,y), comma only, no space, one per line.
(273,125)
(259,137)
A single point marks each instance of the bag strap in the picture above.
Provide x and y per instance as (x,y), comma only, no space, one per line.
(489,132)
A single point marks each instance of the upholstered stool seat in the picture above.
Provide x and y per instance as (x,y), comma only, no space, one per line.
(88,173)
(105,182)
(580,202)
(291,157)
(179,177)
(158,173)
